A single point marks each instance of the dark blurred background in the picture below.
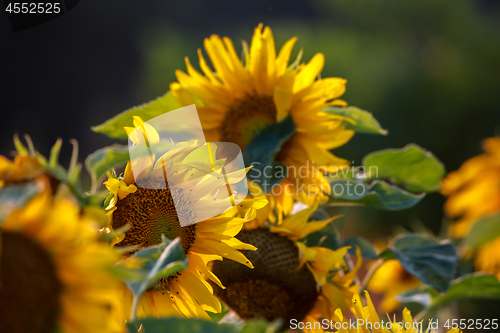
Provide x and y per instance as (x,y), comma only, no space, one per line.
(428,70)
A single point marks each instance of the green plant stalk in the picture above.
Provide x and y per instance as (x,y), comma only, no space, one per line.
(135,304)
(369,275)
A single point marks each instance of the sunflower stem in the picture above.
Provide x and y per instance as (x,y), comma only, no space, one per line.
(135,304)
(341,221)
(369,275)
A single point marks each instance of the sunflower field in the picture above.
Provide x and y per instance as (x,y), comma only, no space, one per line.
(241,186)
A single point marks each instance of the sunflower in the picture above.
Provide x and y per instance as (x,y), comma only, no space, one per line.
(30,166)
(474,192)
(55,275)
(22,169)
(487,258)
(289,280)
(367,320)
(237,101)
(153,208)
(391,279)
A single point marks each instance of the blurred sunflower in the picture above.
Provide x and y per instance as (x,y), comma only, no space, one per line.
(289,280)
(22,169)
(30,166)
(368,317)
(391,279)
(147,205)
(487,258)
(237,101)
(55,275)
(26,167)
(473,192)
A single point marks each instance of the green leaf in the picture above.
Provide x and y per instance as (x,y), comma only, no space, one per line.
(422,295)
(378,194)
(261,326)
(195,325)
(387,254)
(367,249)
(156,262)
(411,167)
(114,126)
(217,317)
(365,122)
(262,150)
(472,286)
(100,161)
(326,237)
(434,263)
(483,231)
(179,325)
(104,159)
(16,196)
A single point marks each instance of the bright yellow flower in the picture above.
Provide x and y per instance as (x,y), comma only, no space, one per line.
(289,280)
(239,100)
(369,321)
(391,279)
(487,258)
(54,274)
(474,190)
(150,211)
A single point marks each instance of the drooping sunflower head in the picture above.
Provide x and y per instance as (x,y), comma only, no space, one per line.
(275,288)
(54,272)
(29,166)
(184,193)
(22,169)
(239,100)
(290,280)
(26,167)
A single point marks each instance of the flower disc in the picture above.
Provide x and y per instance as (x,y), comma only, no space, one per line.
(29,288)
(275,288)
(151,213)
(246,118)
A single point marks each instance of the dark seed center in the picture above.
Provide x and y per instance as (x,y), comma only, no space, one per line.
(246,118)
(274,288)
(29,286)
(152,213)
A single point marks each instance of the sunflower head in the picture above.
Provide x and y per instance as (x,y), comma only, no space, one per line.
(275,288)
(238,100)
(54,273)
(168,195)
(290,280)
(473,191)
(186,193)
